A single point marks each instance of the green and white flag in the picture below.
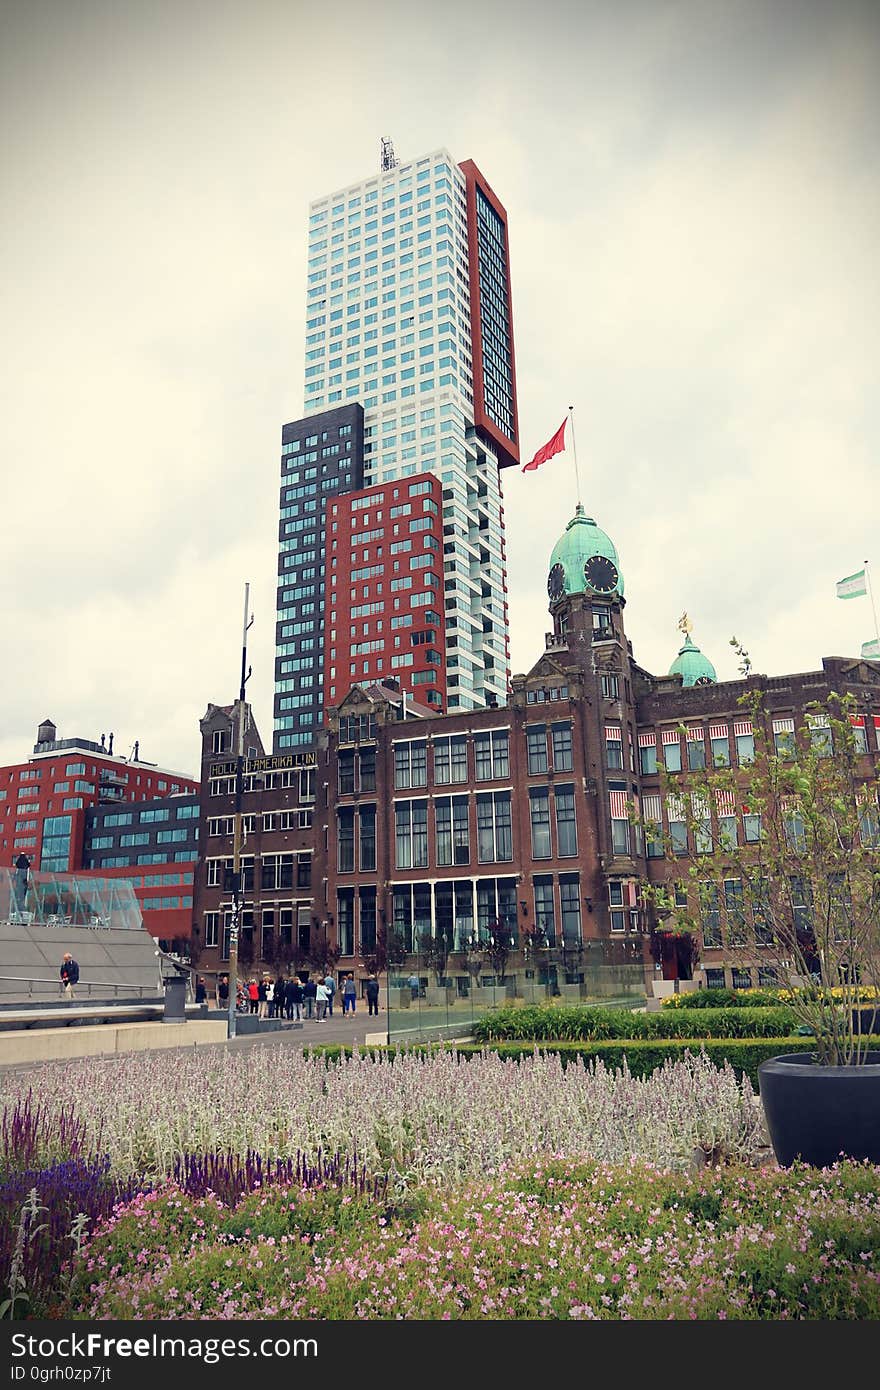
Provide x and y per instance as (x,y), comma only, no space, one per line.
(853,586)
(871,650)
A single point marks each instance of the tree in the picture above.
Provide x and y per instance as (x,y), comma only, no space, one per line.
(474,961)
(497,948)
(322,956)
(800,894)
(297,958)
(246,947)
(390,951)
(435,951)
(534,942)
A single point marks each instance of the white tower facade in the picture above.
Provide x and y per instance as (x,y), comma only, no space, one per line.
(408,314)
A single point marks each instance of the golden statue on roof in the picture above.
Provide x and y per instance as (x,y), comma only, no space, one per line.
(685,625)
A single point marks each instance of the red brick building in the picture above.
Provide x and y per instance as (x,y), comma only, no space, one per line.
(523,819)
(76,806)
(278,847)
(384,608)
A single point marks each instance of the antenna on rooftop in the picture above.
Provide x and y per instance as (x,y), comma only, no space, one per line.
(387,159)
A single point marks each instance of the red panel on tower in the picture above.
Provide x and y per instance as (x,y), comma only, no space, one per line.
(494,365)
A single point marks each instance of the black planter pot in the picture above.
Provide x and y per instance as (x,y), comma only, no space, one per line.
(818,1113)
(866,1020)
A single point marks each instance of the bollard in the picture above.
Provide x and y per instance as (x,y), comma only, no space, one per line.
(175,999)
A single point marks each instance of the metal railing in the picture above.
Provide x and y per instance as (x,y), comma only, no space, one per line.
(97,921)
(55,985)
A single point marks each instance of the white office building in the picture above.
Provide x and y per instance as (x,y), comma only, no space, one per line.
(409,315)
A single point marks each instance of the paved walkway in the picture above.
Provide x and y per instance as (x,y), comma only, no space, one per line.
(341,1028)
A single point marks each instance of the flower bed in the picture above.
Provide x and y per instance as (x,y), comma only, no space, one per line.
(542,1240)
(433,1116)
(273,1184)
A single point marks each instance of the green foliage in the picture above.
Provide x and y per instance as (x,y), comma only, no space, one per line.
(540,1023)
(723,999)
(801,896)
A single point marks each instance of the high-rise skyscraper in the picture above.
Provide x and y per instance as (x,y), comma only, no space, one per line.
(408,316)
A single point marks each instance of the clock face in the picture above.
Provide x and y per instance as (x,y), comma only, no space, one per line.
(601,574)
(703,680)
(556,581)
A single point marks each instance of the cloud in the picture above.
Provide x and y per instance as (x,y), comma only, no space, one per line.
(694,219)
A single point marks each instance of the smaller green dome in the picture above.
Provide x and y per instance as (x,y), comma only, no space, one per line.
(583,541)
(692,665)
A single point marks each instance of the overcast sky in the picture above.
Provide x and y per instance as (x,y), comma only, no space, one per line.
(694,208)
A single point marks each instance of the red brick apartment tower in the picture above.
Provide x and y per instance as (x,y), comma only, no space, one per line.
(384,613)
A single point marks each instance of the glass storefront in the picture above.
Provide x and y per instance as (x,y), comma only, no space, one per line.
(429,997)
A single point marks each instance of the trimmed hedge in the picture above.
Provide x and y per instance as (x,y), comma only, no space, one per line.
(723,999)
(543,1023)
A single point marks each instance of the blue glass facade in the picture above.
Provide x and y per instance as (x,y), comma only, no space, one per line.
(495,318)
(321,457)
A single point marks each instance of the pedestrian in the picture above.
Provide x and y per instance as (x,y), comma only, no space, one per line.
(309,994)
(349,995)
(279,997)
(322,994)
(22,869)
(223,992)
(371,990)
(414,986)
(331,990)
(293,995)
(69,973)
(201,994)
(253,991)
(267,1001)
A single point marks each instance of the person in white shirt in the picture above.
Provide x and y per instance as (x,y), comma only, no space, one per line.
(321,997)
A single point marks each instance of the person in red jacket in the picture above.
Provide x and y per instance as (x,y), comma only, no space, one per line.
(254,995)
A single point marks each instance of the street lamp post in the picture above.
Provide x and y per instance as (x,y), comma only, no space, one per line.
(237,894)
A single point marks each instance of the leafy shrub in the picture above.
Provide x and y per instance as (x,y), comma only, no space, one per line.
(756,998)
(544,1023)
(724,999)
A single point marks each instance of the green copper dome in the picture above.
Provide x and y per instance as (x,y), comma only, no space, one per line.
(584,542)
(692,666)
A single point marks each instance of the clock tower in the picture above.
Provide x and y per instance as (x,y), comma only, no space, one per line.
(586,598)
(584,582)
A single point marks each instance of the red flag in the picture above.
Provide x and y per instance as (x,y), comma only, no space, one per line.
(553,446)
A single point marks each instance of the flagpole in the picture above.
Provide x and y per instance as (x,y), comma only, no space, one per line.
(871,597)
(577,477)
